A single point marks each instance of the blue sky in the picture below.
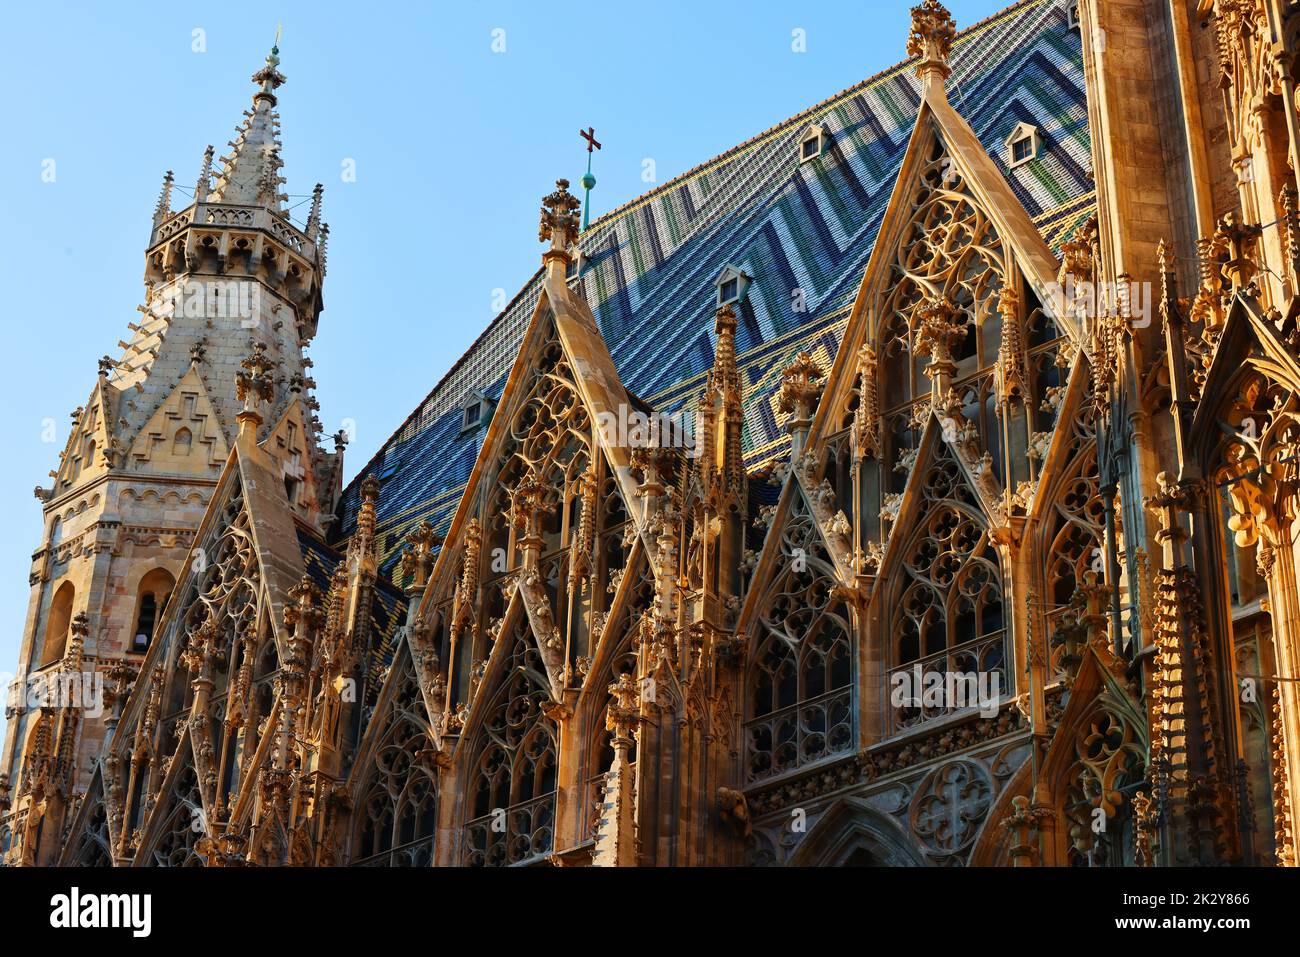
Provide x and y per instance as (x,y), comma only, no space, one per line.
(453,144)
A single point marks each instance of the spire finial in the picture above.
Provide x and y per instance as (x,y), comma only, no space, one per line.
(205,177)
(269,78)
(933,31)
(313,217)
(559,223)
(588,180)
(250,172)
(164,207)
(254,387)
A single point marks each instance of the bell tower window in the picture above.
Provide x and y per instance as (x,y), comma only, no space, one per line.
(57,624)
(155,588)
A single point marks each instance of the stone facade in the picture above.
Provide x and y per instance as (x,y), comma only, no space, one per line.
(1023,591)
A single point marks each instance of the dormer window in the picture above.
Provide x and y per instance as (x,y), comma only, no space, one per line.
(812,143)
(1071,15)
(475,411)
(732,284)
(1022,145)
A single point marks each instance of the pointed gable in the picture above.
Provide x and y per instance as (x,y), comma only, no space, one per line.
(548,498)
(953,229)
(183,435)
(291,447)
(91,442)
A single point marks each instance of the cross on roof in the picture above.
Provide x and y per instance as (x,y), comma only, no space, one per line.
(589,134)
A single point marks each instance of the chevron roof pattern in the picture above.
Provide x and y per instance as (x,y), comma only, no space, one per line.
(648,268)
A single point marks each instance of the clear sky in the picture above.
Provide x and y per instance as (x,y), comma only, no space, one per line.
(458,119)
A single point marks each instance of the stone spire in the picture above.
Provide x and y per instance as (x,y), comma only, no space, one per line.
(313,217)
(722,462)
(203,186)
(250,173)
(616,844)
(801,387)
(164,207)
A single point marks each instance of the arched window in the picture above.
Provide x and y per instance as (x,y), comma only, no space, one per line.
(398,812)
(182,441)
(56,624)
(512,779)
(946,605)
(800,695)
(151,597)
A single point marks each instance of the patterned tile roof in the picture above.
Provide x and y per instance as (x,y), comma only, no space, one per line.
(648,268)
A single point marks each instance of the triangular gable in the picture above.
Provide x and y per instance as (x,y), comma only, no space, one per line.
(1244,331)
(161,446)
(279,554)
(988,185)
(772,554)
(563,314)
(248,471)
(594,368)
(94,425)
(937,122)
(515,627)
(290,445)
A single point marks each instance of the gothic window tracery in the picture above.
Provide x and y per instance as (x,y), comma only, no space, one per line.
(947,614)
(550,486)
(512,778)
(799,689)
(1109,763)
(179,837)
(1075,527)
(397,814)
(950,250)
(221,630)
(623,629)
(91,848)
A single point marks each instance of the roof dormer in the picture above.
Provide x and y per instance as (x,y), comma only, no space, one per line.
(1022,145)
(812,143)
(732,284)
(475,411)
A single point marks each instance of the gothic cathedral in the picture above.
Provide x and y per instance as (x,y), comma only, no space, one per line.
(913,484)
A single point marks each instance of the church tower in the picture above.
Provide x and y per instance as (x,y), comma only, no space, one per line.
(231,284)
